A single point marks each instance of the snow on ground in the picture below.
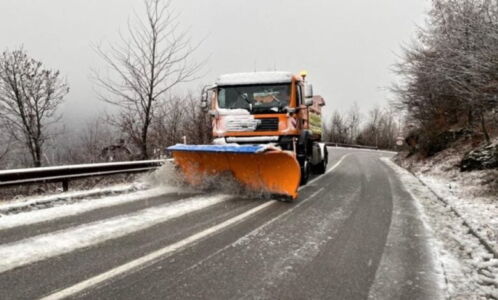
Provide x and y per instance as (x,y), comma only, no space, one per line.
(19,203)
(470,270)
(480,212)
(82,206)
(163,176)
(162,181)
(48,245)
(470,193)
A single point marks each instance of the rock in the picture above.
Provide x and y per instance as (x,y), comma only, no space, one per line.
(484,157)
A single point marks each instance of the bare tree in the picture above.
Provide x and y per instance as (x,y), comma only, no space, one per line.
(95,142)
(353,122)
(5,144)
(167,129)
(380,129)
(29,97)
(337,131)
(197,123)
(150,61)
(180,120)
(451,73)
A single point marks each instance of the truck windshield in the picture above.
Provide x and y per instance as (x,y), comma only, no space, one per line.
(255,98)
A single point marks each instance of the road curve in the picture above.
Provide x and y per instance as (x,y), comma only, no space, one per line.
(353,233)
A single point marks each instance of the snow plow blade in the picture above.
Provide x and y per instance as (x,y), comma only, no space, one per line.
(257,166)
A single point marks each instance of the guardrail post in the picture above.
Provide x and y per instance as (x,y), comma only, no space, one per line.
(65,185)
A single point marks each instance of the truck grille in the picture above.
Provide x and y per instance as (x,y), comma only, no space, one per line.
(270,124)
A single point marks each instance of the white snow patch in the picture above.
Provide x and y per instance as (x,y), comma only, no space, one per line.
(32,200)
(469,269)
(52,213)
(240,123)
(254,78)
(470,193)
(480,212)
(233,112)
(49,245)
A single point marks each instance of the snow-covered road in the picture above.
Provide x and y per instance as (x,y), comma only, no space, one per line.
(354,233)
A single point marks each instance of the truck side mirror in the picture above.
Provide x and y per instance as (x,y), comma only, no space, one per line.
(308,94)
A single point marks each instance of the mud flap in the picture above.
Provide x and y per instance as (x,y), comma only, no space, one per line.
(257,166)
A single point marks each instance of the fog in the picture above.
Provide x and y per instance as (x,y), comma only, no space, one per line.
(348,47)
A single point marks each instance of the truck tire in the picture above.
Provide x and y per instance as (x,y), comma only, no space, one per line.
(305,172)
(287,199)
(321,167)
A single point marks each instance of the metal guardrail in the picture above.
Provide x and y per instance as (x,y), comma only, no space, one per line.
(70,172)
(351,146)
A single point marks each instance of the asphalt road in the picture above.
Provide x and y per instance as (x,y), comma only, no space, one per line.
(353,233)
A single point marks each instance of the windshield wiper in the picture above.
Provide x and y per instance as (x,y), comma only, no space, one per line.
(246,98)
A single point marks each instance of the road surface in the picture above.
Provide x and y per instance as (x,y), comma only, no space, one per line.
(353,233)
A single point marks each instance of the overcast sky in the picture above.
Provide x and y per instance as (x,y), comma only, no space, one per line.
(347,46)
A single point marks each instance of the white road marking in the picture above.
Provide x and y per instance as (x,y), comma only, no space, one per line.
(49,245)
(164,252)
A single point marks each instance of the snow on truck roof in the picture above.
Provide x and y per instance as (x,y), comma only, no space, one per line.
(254,78)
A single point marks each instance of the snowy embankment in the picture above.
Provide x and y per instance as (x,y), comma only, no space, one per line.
(471,194)
(470,268)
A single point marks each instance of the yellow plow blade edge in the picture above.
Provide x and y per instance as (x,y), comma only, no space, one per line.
(270,170)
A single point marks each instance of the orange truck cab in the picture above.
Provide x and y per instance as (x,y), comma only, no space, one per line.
(276,108)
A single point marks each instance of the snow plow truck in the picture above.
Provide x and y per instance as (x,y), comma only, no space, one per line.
(266,133)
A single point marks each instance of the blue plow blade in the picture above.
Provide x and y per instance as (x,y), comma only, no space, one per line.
(247,149)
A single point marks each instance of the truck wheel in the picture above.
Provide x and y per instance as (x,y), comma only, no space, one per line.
(305,172)
(287,199)
(322,166)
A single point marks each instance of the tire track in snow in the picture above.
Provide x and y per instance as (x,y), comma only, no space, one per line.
(49,245)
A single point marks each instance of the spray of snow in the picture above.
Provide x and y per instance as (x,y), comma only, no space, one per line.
(227,184)
(167,176)
(49,245)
